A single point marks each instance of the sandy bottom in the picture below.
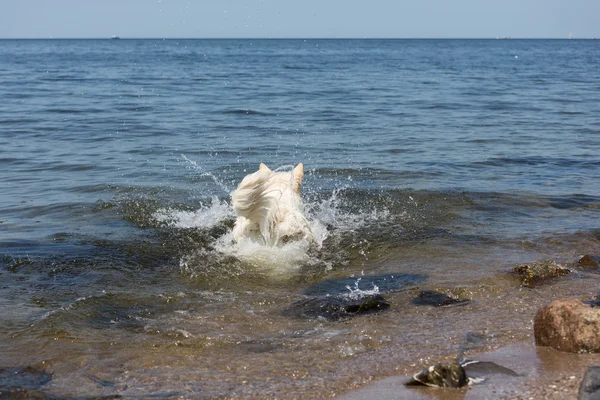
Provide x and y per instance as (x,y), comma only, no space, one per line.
(544,374)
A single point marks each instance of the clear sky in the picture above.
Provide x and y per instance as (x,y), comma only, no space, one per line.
(300,18)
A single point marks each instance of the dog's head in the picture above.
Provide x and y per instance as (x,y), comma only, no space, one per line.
(296,177)
(268,202)
(260,189)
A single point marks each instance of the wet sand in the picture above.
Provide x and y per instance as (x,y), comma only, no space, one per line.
(544,374)
(501,317)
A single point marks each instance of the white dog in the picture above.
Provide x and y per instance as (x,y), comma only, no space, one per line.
(269,207)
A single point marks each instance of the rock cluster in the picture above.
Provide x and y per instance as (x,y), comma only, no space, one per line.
(532,274)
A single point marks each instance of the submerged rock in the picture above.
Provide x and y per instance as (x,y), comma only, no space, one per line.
(384,283)
(457,374)
(30,378)
(568,325)
(533,274)
(23,382)
(588,262)
(23,394)
(437,299)
(334,308)
(590,384)
(594,303)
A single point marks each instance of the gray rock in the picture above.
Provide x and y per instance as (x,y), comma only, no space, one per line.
(590,384)
(30,378)
(437,299)
(334,308)
(22,383)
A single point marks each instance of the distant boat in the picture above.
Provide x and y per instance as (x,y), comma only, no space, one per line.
(115,37)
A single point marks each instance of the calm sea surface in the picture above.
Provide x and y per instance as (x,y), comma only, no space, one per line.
(442,162)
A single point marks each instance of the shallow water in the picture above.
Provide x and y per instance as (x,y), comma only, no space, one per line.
(430,165)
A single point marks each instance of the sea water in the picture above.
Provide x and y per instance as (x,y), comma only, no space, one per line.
(429,164)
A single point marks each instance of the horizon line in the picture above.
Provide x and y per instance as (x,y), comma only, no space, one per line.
(294,38)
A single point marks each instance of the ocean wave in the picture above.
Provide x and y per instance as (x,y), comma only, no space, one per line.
(244,111)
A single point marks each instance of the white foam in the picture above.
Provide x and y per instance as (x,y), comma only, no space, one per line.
(355,293)
(284,259)
(327,217)
(205,217)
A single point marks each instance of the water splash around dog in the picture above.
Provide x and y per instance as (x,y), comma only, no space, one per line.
(335,219)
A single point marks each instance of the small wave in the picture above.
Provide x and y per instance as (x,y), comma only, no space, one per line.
(18,121)
(66,307)
(134,108)
(444,106)
(69,110)
(244,111)
(531,161)
(570,113)
(575,201)
(296,67)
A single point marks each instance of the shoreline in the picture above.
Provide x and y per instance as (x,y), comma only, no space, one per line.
(544,373)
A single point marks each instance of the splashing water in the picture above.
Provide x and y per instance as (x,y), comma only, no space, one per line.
(204,218)
(274,260)
(198,168)
(330,211)
(357,293)
(329,218)
(334,216)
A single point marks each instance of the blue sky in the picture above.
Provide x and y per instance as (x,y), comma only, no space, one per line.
(301,18)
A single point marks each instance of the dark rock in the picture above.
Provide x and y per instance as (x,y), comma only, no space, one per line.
(568,325)
(385,283)
(450,374)
(457,374)
(538,272)
(22,382)
(594,303)
(590,384)
(437,299)
(588,262)
(23,394)
(23,377)
(333,308)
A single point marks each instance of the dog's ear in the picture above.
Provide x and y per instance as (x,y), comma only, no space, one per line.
(263,167)
(297,175)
